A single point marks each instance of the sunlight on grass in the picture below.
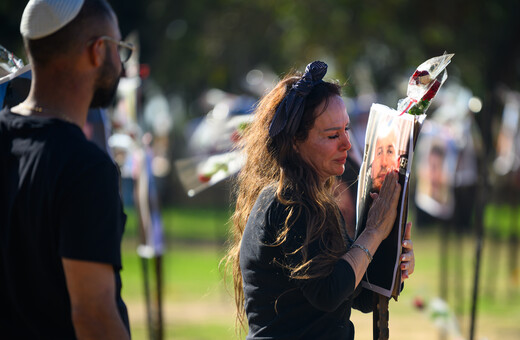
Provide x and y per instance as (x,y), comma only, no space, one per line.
(197,305)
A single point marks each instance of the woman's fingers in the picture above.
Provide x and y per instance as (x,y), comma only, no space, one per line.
(390,181)
(383,212)
(407,267)
(408,256)
(407,244)
(391,189)
(404,275)
(408,231)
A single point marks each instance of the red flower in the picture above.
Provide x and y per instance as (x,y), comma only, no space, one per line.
(418,77)
(204,178)
(418,303)
(420,74)
(432,91)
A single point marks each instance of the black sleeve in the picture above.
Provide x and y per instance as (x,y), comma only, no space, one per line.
(328,293)
(324,293)
(364,301)
(92,219)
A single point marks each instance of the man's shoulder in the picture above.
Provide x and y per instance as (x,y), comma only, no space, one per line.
(72,145)
(87,161)
(4,117)
(58,138)
(69,151)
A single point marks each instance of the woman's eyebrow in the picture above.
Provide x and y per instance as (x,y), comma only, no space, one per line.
(332,129)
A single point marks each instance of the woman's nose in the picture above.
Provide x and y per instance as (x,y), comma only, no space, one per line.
(346,141)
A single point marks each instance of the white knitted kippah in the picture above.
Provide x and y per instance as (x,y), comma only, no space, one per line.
(44,17)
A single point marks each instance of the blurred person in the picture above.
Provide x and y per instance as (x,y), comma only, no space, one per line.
(61,214)
(434,194)
(385,158)
(97,128)
(296,271)
(438,189)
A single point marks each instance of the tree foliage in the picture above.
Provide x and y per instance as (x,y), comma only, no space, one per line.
(195,45)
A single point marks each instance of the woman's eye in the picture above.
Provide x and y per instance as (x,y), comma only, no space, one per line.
(337,134)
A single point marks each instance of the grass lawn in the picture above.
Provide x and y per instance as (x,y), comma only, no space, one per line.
(197,305)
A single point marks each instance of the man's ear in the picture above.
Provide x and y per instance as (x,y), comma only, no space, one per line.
(96,52)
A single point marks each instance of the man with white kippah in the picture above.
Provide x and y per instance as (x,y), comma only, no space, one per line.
(61,215)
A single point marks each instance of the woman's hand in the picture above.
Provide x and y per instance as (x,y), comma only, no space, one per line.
(380,220)
(407,256)
(382,213)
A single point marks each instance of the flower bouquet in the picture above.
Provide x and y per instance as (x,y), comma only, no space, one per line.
(424,85)
(218,160)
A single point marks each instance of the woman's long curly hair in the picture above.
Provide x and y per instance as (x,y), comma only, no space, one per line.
(274,161)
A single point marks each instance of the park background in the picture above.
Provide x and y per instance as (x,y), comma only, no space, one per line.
(192,51)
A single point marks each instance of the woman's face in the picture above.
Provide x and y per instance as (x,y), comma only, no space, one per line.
(326,146)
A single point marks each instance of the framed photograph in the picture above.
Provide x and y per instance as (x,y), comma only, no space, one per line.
(436,165)
(389,145)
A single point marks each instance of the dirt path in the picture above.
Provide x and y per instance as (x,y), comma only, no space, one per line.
(415,327)
(189,312)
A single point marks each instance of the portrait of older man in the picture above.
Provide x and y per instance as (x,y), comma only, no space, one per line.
(386,157)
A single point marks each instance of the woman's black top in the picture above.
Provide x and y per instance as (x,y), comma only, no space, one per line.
(278,307)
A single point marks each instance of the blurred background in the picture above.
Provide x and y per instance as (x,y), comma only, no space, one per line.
(189,90)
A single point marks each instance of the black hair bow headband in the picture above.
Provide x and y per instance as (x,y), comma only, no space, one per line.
(290,110)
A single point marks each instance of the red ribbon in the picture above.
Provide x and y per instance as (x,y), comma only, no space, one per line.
(412,101)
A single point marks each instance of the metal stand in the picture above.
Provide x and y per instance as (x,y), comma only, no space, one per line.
(380,317)
(443,270)
(154,315)
(479,227)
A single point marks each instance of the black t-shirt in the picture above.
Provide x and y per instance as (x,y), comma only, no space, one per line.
(278,307)
(59,197)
